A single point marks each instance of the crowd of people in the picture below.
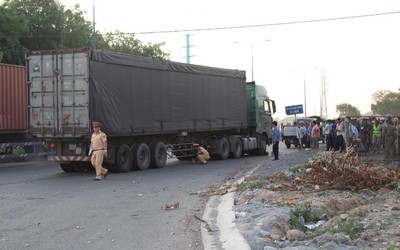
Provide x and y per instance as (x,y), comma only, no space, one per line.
(373,134)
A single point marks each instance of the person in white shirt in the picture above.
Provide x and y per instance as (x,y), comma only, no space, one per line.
(300,135)
(339,142)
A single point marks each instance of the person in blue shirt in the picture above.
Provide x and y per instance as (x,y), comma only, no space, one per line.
(276,137)
(329,136)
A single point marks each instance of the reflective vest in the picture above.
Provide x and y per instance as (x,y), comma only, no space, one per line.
(376,130)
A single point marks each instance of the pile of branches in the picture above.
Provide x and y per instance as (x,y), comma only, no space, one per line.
(346,172)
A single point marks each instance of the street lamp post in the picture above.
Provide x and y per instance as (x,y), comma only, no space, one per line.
(305,88)
(305,95)
(252,54)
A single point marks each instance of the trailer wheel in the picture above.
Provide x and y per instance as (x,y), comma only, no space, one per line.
(237,148)
(124,158)
(141,153)
(158,155)
(224,149)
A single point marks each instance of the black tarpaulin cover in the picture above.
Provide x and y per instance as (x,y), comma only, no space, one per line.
(133,95)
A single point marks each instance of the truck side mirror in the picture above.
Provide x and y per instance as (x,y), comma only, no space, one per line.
(273,107)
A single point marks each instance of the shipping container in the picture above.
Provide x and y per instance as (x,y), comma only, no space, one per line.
(146,107)
(13,102)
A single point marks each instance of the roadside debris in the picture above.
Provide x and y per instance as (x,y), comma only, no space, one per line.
(329,201)
(208,227)
(331,170)
(171,207)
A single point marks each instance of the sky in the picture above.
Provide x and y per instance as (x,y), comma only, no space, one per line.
(283,45)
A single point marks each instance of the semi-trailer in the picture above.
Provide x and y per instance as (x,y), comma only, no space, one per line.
(14,144)
(13,103)
(149,109)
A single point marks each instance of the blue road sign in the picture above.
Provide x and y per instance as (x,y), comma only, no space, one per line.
(295,109)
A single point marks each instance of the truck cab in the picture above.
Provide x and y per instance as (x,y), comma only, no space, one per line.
(259,111)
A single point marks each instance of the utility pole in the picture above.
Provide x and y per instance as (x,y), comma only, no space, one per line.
(252,54)
(188,49)
(324,108)
(305,94)
(94,29)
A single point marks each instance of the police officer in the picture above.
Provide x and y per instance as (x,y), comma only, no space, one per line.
(202,154)
(98,149)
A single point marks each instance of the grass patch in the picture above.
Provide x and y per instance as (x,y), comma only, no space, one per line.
(301,213)
(252,185)
(347,227)
(297,169)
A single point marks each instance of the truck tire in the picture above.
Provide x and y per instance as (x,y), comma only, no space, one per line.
(262,150)
(224,149)
(158,155)
(67,167)
(237,148)
(141,155)
(124,158)
(73,167)
(81,166)
(287,144)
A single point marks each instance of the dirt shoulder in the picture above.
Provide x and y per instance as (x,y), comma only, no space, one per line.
(316,199)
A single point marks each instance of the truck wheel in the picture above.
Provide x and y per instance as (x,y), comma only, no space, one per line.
(237,148)
(158,155)
(80,166)
(67,167)
(262,150)
(224,149)
(141,153)
(124,158)
(75,166)
(287,145)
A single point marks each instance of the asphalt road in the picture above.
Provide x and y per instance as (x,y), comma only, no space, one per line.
(42,207)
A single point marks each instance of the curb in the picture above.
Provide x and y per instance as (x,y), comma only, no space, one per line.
(219,215)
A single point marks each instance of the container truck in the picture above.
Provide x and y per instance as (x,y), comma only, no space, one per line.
(13,101)
(14,144)
(149,109)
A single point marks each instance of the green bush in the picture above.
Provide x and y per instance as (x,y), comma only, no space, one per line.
(301,210)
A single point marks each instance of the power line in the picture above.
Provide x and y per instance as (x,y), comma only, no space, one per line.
(229,27)
(268,24)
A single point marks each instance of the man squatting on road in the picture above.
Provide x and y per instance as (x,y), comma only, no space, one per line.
(202,154)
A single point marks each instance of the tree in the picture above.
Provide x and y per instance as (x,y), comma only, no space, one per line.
(10,49)
(345,109)
(48,25)
(128,44)
(77,31)
(387,102)
(45,23)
